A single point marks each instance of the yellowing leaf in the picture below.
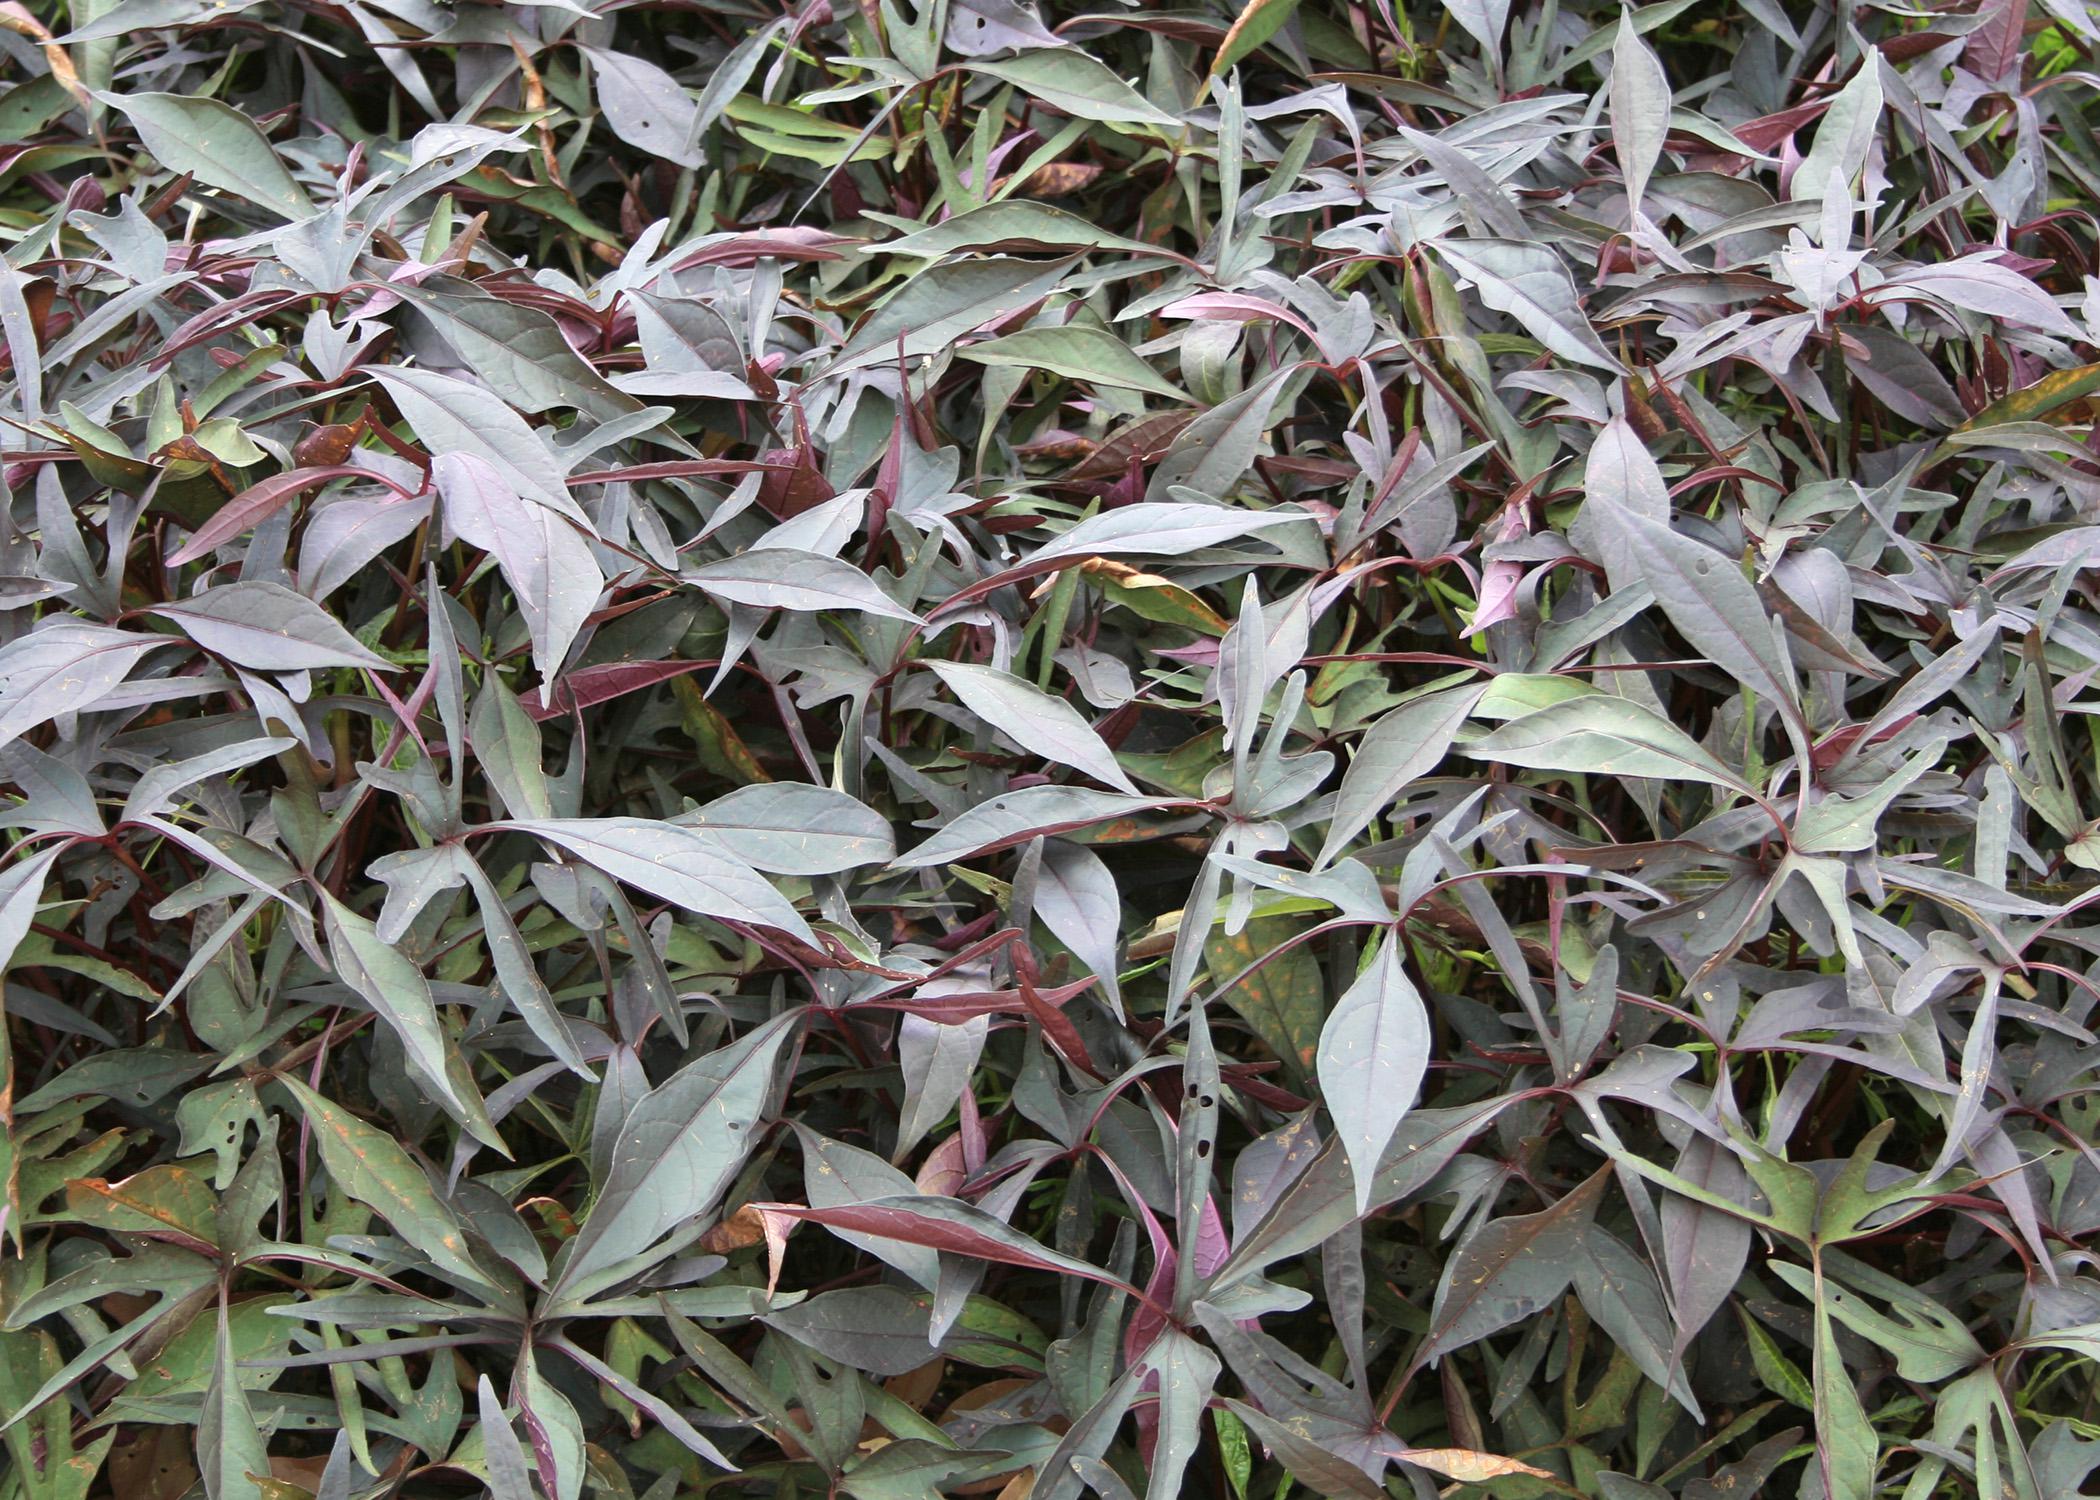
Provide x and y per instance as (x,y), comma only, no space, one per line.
(1152,597)
(2031,403)
(1261,20)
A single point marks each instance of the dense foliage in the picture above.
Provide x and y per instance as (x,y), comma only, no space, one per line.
(916,749)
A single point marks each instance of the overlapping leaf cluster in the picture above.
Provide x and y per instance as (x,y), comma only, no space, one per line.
(922,749)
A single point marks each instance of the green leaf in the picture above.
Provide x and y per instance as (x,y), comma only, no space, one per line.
(1285,999)
(217,143)
(1374,1053)
(374,1168)
(1529,282)
(1187,1374)
(1847,1448)
(1929,1343)
(518,350)
(231,1454)
(913,1468)
(679,1148)
(1625,1296)
(1781,1376)
(835,1174)
(1260,20)
(1599,734)
(1079,84)
(508,1476)
(1401,747)
(1076,352)
(942,303)
(1035,720)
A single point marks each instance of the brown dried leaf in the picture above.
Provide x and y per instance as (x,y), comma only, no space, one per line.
(1466,1465)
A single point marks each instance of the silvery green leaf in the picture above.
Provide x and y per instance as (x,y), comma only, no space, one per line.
(1374,1051)
(1156,528)
(1640,110)
(1620,475)
(937,1061)
(1016,817)
(1844,136)
(268,627)
(452,416)
(943,302)
(1714,607)
(1035,720)
(782,578)
(1528,281)
(397,991)
(981,28)
(1484,20)
(217,143)
(549,564)
(645,106)
(1599,733)
(681,1145)
(791,828)
(65,667)
(1077,899)
(680,865)
(1078,83)
(1405,744)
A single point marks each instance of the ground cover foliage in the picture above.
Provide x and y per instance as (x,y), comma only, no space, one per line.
(931,749)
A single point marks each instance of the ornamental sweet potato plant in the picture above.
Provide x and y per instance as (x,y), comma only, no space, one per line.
(920,748)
